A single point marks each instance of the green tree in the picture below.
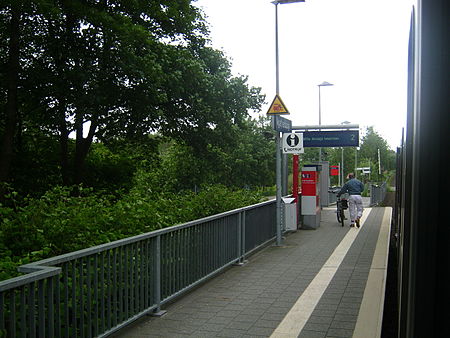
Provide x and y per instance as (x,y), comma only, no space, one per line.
(373,144)
(110,70)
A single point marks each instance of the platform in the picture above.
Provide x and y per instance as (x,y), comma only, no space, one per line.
(327,282)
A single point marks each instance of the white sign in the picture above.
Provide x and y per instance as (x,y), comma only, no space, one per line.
(292,143)
(365,170)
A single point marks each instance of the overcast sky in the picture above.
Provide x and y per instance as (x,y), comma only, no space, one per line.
(360,46)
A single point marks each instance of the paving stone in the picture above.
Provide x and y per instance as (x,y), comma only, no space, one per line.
(266,323)
(325,313)
(252,311)
(339,333)
(204,334)
(228,313)
(345,317)
(273,316)
(322,306)
(246,318)
(211,308)
(239,325)
(220,320)
(342,325)
(214,327)
(231,333)
(331,295)
(316,327)
(320,319)
(312,334)
(347,305)
(330,301)
(347,311)
(205,315)
(233,307)
(262,331)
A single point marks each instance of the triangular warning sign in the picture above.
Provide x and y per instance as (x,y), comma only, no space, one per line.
(277,107)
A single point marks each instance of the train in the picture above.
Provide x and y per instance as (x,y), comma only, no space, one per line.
(420,234)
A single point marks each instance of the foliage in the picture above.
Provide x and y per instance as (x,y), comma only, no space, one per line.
(108,70)
(67,219)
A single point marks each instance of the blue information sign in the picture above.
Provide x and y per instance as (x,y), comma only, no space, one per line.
(335,138)
(282,124)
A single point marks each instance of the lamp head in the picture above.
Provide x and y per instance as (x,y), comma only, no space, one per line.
(276,2)
(325,83)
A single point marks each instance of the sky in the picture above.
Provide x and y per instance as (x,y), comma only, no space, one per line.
(359,46)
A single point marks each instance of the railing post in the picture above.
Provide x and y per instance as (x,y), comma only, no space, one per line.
(241,239)
(243,261)
(371,191)
(158,312)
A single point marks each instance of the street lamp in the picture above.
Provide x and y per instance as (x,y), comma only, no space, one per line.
(277,63)
(277,133)
(323,84)
(276,2)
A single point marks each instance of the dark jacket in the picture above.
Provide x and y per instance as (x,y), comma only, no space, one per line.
(353,187)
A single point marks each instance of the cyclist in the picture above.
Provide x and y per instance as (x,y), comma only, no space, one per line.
(354,187)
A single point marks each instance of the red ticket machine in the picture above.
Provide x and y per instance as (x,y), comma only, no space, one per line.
(311,196)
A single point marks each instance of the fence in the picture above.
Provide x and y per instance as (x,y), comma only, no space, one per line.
(96,291)
(377,193)
(332,197)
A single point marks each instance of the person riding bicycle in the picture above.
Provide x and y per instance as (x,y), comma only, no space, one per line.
(354,187)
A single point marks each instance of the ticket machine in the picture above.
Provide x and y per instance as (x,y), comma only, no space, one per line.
(310,205)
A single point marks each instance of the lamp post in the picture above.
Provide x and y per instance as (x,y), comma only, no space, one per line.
(323,84)
(277,133)
(342,156)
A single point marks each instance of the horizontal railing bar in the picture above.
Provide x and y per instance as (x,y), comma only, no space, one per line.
(35,274)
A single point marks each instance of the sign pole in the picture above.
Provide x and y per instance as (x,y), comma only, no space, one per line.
(277,133)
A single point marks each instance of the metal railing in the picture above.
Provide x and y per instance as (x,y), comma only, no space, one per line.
(96,291)
(332,197)
(377,193)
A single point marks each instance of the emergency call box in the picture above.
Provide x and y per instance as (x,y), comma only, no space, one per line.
(310,190)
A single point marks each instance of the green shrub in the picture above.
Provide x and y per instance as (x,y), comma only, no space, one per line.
(69,219)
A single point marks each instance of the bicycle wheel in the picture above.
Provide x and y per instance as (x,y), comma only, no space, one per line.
(341,216)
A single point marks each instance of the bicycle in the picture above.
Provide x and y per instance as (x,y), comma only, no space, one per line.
(342,204)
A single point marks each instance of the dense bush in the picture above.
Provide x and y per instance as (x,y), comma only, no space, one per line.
(69,219)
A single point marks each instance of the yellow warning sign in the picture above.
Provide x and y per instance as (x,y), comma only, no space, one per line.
(277,107)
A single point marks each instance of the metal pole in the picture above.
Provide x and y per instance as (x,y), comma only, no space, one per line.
(339,176)
(320,122)
(277,134)
(285,174)
(379,163)
(295,177)
(342,164)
